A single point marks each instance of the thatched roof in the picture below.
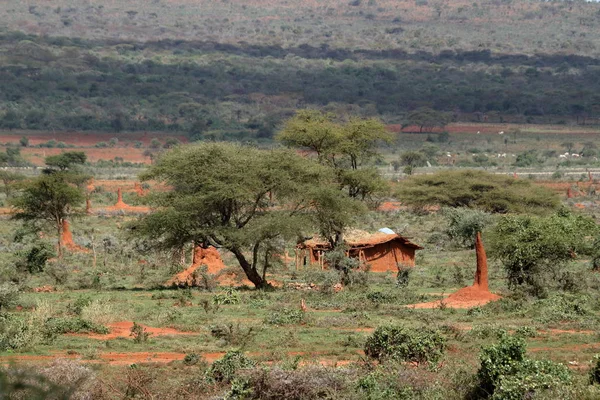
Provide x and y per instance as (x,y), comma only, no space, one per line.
(360,239)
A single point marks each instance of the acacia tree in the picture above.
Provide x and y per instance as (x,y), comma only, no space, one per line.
(426,119)
(66,160)
(349,149)
(412,160)
(476,189)
(49,199)
(233,197)
(9,179)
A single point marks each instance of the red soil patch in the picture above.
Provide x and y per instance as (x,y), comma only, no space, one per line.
(566,188)
(37,155)
(471,296)
(138,358)
(389,206)
(90,186)
(571,347)
(209,257)
(568,331)
(367,330)
(123,330)
(44,289)
(116,358)
(85,139)
(467,297)
(139,190)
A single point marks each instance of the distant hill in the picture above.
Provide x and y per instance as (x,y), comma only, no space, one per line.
(503,26)
(235,69)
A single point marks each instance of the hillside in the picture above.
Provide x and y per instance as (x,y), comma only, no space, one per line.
(503,26)
(228,70)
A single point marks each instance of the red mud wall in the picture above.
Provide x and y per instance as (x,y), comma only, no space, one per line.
(386,256)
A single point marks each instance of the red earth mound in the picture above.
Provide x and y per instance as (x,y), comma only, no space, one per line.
(123,330)
(66,239)
(471,296)
(208,256)
(120,205)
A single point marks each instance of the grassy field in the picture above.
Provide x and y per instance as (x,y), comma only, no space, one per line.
(79,313)
(126,287)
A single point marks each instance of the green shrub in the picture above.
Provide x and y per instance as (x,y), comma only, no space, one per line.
(595,370)
(534,250)
(422,345)
(505,373)
(230,296)
(487,331)
(379,297)
(139,333)
(285,316)
(9,295)
(79,304)
(34,258)
(58,272)
(526,331)
(563,307)
(25,383)
(191,359)
(18,333)
(58,326)
(403,276)
(233,334)
(225,369)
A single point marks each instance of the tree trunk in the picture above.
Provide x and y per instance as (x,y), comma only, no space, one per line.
(251,273)
(59,231)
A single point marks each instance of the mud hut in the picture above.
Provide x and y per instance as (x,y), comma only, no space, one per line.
(381,251)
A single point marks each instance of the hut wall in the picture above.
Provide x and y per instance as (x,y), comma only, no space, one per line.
(386,256)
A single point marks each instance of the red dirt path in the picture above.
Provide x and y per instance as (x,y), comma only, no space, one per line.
(116,358)
(123,330)
(85,139)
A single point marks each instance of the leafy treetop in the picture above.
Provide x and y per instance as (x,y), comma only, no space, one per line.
(477,189)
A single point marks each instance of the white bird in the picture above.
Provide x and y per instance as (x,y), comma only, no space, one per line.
(501,133)
(478,132)
(562,156)
(574,155)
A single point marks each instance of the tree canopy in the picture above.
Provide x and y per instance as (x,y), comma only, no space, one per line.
(66,160)
(476,189)
(348,147)
(49,199)
(536,248)
(426,119)
(234,197)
